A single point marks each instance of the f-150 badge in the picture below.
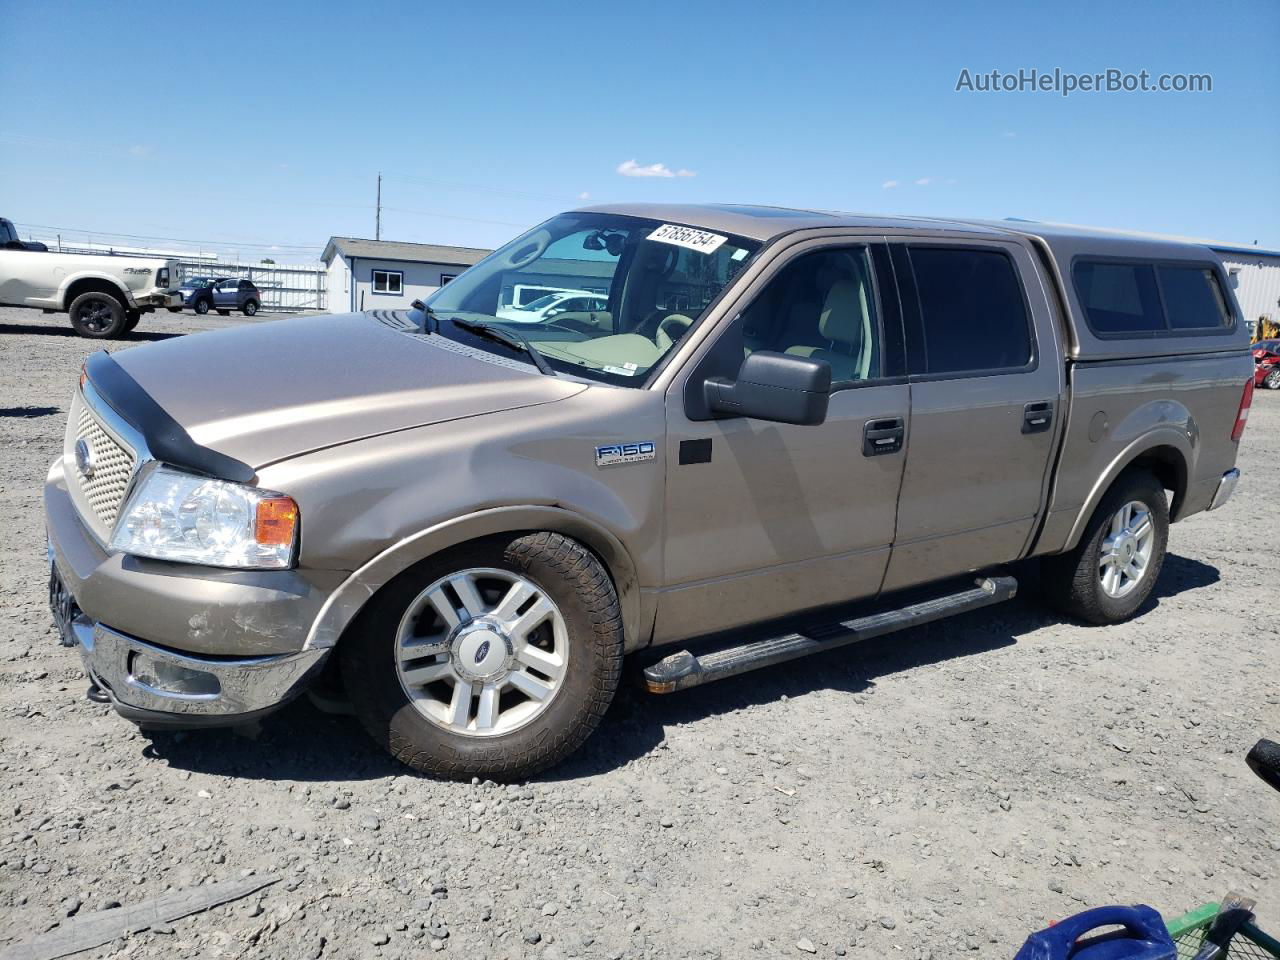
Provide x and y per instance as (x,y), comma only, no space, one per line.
(619,453)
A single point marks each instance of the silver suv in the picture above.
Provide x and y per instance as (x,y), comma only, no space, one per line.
(775,432)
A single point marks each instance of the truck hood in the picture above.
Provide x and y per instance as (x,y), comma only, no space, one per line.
(276,390)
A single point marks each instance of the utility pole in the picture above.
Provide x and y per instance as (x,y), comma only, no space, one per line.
(377,223)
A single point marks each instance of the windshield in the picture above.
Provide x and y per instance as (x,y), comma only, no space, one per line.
(198,283)
(627,291)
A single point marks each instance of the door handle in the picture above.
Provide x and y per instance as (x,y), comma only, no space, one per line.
(1037,416)
(882,436)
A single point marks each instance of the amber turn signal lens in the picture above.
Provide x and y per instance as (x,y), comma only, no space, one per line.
(84,375)
(275,522)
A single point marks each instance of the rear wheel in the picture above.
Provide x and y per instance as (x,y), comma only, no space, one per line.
(224,313)
(174,309)
(1272,380)
(496,659)
(131,318)
(1113,570)
(97,315)
(250,308)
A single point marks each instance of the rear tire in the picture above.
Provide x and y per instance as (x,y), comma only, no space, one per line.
(98,316)
(174,309)
(1272,380)
(131,319)
(251,308)
(439,729)
(224,313)
(1114,568)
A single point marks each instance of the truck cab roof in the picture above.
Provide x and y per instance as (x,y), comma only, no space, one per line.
(1058,246)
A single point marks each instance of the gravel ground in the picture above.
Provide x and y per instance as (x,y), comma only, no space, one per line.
(937,793)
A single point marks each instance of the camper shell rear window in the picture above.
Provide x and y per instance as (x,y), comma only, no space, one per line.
(1134,299)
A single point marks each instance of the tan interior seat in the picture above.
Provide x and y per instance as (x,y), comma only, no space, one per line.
(845,321)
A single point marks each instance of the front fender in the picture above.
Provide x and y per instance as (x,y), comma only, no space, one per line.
(345,602)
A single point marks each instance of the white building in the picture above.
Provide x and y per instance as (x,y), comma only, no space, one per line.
(1255,274)
(383,274)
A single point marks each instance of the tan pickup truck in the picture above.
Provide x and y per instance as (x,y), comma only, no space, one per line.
(781,432)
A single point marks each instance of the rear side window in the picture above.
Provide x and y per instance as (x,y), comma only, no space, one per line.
(1119,297)
(974,314)
(1150,299)
(1192,298)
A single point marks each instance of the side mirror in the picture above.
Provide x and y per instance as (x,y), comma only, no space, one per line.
(776,387)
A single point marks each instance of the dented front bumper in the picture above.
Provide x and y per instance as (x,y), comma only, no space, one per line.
(159,687)
(179,641)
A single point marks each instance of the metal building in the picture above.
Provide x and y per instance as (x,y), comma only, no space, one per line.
(1255,273)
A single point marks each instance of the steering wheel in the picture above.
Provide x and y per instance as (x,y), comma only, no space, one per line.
(672,329)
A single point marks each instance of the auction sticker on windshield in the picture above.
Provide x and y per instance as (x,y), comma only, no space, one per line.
(688,237)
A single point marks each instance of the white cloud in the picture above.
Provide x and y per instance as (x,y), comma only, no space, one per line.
(924,181)
(139,150)
(1009,135)
(888,184)
(630,168)
(584,195)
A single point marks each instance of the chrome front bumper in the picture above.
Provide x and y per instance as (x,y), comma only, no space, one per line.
(150,684)
(1226,487)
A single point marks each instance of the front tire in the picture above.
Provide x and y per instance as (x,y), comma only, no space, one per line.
(496,659)
(98,316)
(1114,568)
(1272,380)
(201,307)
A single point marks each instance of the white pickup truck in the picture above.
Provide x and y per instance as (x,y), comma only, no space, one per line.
(105,294)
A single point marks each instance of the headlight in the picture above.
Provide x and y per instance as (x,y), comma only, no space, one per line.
(179,516)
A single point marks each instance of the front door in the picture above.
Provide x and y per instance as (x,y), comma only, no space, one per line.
(224,294)
(767,519)
(986,402)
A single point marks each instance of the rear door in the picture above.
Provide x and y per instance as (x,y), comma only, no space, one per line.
(984,364)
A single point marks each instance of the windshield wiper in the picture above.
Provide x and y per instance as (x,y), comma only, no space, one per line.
(516,341)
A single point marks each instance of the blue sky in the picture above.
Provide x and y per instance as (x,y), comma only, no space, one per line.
(268,125)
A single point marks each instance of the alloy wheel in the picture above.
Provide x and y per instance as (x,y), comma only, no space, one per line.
(95,314)
(1126,550)
(482,652)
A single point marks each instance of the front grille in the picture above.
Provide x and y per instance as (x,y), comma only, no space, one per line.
(113,465)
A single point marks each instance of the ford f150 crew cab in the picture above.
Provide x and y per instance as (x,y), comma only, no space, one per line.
(469,522)
(105,294)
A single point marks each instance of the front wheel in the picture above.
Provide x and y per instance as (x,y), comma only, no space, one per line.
(1113,570)
(496,659)
(1272,380)
(201,307)
(97,315)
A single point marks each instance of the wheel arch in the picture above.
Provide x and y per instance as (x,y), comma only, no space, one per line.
(1165,453)
(345,603)
(75,285)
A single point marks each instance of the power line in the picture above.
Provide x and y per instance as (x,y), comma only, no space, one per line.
(211,243)
(483,188)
